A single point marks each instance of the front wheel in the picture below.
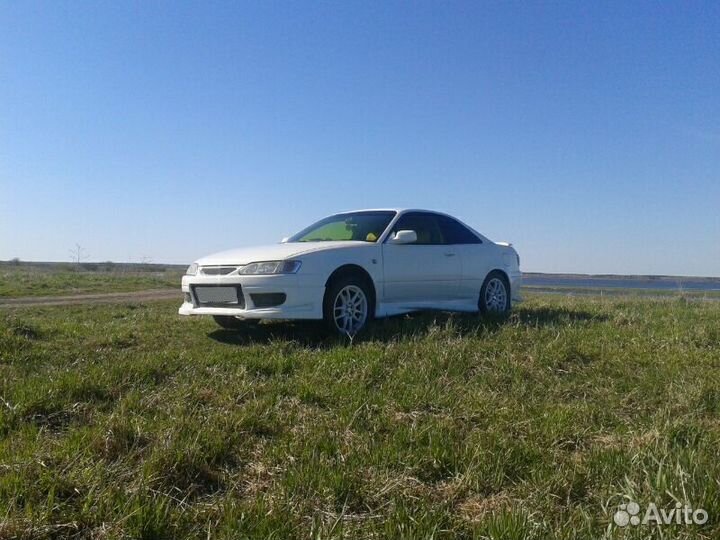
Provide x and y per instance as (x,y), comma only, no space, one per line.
(495,295)
(347,306)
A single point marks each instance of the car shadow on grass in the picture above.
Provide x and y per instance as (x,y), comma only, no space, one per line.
(416,325)
(315,334)
(304,333)
(555,316)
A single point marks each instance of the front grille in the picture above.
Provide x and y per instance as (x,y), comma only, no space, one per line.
(217,270)
(226,296)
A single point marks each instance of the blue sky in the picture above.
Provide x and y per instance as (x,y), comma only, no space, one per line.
(587,133)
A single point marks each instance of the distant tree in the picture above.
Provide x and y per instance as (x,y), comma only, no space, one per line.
(15,261)
(145,264)
(78,254)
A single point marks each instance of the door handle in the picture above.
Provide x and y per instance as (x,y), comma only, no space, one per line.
(449,254)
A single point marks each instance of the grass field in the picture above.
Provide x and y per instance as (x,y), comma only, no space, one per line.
(127,421)
(619,291)
(57,279)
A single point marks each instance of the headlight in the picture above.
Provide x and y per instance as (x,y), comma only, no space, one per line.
(192,269)
(270,267)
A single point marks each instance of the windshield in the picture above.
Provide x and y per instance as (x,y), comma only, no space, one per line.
(363,226)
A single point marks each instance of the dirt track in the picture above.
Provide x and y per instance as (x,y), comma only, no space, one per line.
(92,298)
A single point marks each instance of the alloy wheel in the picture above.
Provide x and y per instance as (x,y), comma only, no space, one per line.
(350,309)
(496,295)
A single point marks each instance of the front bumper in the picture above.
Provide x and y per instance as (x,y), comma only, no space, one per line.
(303,296)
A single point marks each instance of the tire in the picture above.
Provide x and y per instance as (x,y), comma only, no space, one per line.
(233,323)
(495,294)
(348,305)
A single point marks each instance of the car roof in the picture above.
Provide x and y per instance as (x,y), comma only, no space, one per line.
(398,210)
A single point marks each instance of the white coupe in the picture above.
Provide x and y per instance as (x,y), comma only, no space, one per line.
(353,266)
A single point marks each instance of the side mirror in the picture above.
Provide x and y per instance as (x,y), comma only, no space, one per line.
(403,237)
(284,239)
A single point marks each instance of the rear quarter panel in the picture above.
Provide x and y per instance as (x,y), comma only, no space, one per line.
(480,259)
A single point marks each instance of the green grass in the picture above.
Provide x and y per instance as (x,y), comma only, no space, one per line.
(65,279)
(620,291)
(131,422)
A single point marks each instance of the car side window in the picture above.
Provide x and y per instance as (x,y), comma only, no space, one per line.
(425,225)
(455,232)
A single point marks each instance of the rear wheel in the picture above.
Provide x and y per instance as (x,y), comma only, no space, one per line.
(495,294)
(347,306)
(233,323)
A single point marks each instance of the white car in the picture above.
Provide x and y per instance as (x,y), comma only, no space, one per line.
(351,267)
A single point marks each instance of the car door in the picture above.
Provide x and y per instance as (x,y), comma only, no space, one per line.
(424,272)
(476,255)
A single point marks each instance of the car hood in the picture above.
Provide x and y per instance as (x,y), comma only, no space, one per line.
(273,252)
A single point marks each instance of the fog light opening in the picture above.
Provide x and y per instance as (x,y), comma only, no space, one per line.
(266,300)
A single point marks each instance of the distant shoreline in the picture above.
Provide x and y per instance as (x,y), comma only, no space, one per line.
(638,277)
(150,267)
